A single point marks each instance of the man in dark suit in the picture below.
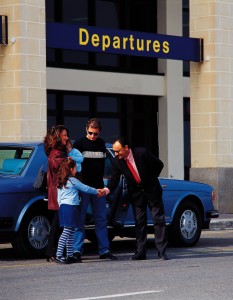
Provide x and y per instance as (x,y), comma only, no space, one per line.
(141,169)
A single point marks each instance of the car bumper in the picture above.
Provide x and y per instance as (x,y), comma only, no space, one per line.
(7,237)
(211,214)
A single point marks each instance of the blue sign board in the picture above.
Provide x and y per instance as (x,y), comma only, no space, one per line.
(104,40)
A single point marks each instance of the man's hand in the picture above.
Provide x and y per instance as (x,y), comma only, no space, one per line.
(101,192)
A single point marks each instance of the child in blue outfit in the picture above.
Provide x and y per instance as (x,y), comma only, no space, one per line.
(68,200)
(75,154)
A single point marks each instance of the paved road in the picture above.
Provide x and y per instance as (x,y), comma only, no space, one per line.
(204,271)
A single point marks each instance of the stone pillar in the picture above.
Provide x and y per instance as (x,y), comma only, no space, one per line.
(23,109)
(171,140)
(211,91)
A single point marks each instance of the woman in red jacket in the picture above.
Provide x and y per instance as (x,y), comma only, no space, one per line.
(55,148)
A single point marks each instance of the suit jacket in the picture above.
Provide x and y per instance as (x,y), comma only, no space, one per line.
(149,168)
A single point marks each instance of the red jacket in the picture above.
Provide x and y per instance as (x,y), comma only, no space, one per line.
(54,160)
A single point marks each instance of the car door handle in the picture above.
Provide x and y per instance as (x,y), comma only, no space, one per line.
(164,186)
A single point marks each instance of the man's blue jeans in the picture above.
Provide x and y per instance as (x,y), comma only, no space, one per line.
(100,218)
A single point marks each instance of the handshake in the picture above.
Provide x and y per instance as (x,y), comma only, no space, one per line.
(101,192)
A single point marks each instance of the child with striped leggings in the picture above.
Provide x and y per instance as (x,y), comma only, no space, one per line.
(68,200)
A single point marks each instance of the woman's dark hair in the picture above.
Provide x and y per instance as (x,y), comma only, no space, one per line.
(64,171)
(52,138)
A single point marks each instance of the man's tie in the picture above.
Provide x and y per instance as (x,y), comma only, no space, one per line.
(134,173)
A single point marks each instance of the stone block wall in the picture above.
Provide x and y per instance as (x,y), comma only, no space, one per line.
(23,109)
(211,97)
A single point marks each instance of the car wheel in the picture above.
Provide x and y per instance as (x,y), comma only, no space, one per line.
(32,237)
(186,227)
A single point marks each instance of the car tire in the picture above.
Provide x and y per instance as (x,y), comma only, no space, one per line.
(186,227)
(32,237)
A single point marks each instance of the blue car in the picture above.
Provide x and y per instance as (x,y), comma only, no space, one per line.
(25,219)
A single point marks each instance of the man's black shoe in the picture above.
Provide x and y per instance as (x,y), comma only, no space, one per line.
(138,256)
(72,260)
(163,256)
(108,255)
(77,256)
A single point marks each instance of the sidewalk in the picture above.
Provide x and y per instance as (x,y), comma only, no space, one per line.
(224,221)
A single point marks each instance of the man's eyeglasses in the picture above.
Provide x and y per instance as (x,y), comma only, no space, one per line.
(117,151)
(93,133)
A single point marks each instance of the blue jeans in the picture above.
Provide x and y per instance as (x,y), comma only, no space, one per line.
(100,218)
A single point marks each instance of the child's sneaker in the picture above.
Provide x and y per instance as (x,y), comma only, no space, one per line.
(61,260)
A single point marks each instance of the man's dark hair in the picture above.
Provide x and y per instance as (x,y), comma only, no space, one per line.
(94,123)
(122,140)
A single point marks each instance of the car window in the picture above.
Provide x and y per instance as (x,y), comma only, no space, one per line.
(13,160)
(107,169)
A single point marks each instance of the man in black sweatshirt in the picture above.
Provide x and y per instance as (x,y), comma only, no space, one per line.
(93,149)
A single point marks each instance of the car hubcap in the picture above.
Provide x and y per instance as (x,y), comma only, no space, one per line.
(38,232)
(188,224)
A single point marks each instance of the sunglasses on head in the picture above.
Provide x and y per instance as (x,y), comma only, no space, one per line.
(93,133)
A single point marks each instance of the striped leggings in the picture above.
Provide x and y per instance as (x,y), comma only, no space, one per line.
(66,240)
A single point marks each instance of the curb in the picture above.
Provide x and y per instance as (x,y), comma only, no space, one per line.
(221,224)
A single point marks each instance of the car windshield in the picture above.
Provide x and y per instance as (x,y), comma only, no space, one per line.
(14,159)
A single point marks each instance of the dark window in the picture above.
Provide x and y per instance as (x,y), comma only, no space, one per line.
(186,64)
(129,115)
(187,146)
(107,14)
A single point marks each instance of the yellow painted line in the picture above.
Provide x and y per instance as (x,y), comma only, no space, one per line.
(27,265)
